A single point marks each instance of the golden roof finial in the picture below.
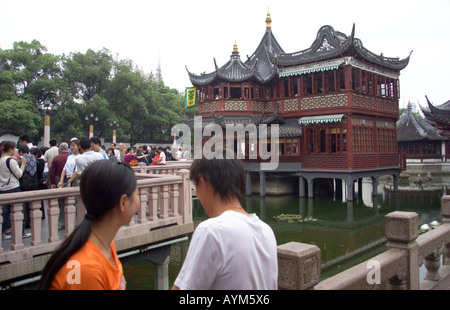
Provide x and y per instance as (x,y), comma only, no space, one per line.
(235,48)
(268,20)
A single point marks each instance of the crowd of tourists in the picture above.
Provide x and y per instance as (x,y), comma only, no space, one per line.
(232,250)
(25,167)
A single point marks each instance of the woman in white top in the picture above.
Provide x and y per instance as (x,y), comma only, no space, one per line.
(70,165)
(10,173)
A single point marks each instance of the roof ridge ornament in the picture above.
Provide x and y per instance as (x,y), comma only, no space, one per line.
(235,53)
(268,20)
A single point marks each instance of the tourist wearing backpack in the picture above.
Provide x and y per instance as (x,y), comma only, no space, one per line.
(29,180)
(10,173)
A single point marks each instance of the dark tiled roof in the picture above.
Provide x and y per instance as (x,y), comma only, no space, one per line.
(257,66)
(287,128)
(265,70)
(412,128)
(329,44)
(439,113)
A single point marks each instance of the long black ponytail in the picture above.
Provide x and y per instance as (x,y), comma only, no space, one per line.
(102,184)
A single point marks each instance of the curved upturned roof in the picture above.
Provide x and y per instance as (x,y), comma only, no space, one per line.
(330,43)
(233,71)
(257,66)
(412,128)
(263,64)
(439,114)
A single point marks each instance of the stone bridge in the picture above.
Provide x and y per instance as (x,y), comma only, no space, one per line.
(165,214)
(396,268)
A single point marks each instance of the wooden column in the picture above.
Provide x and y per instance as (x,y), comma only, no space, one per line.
(336,83)
(323,83)
(350,164)
(348,77)
(301,87)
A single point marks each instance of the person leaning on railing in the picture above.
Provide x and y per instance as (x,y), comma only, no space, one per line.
(87,259)
(10,173)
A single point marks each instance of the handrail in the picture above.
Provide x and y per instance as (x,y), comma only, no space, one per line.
(397,267)
(165,200)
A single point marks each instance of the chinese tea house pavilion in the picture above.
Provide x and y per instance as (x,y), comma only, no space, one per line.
(336,104)
(439,116)
(418,139)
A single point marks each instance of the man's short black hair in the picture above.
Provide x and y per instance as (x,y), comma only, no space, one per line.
(24,149)
(25,137)
(85,143)
(227,176)
(96,140)
(53,142)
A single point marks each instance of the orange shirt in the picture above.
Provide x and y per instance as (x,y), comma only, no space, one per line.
(89,269)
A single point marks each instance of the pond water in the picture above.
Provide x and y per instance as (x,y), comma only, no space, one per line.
(339,228)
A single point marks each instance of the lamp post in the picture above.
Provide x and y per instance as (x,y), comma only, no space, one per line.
(47,106)
(91,118)
(114,124)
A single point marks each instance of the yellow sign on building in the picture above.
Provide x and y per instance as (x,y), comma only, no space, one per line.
(190,97)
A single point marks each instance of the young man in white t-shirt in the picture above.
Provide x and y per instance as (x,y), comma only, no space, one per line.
(232,250)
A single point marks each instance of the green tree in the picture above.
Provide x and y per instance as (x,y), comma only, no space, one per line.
(128,93)
(80,84)
(87,74)
(20,116)
(29,73)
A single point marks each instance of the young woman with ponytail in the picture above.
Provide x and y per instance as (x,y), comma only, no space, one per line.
(87,259)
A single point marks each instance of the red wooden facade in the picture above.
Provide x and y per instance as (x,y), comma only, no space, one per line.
(362,95)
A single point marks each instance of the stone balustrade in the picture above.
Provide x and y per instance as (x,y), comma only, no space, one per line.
(165,202)
(171,167)
(396,268)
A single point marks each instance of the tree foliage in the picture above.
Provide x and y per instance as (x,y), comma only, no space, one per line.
(120,95)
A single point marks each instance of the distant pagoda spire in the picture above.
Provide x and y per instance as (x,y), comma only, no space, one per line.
(158,76)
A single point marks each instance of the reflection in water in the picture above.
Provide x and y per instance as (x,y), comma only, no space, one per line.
(338,227)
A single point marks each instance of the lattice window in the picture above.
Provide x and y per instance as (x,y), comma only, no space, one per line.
(326,140)
(292,146)
(363,139)
(386,140)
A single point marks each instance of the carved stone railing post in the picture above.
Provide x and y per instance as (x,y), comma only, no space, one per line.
(185,196)
(143,197)
(402,230)
(433,262)
(164,201)
(174,198)
(35,221)
(142,168)
(69,215)
(16,226)
(153,204)
(445,211)
(53,215)
(298,266)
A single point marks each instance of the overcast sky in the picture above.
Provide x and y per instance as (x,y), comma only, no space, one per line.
(192,33)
